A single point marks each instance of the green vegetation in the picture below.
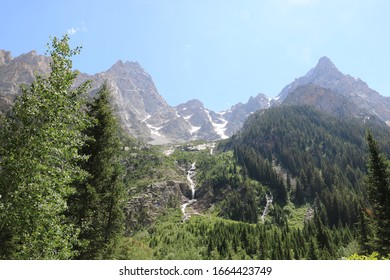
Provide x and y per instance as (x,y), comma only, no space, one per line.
(208,237)
(61,191)
(372,257)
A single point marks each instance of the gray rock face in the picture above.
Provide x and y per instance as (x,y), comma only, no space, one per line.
(144,209)
(141,109)
(17,71)
(237,114)
(5,57)
(326,100)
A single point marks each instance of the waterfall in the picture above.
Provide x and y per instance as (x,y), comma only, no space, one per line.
(212,148)
(269,202)
(190,175)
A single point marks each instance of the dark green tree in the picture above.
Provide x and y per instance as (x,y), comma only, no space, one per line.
(366,232)
(98,205)
(41,139)
(378,189)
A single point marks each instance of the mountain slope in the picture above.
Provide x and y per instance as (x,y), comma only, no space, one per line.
(325,100)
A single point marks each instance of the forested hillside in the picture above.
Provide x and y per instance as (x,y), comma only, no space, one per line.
(320,158)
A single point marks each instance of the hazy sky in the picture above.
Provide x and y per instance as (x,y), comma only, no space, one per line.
(219,51)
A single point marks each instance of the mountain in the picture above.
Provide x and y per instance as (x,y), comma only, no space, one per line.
(145,114)
(341,89)
(209,125)
(205,124)
(142,111)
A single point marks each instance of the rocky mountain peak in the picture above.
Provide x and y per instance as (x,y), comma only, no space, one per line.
(193,103)
(325,74)
(325,64)
(30,58)
(5,57)
(125,68)
(325,71)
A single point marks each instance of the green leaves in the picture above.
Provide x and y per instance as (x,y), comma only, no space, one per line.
(40,162)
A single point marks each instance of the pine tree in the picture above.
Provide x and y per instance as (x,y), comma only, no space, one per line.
(366,232)
(378,189)
(98,206)
(39,162)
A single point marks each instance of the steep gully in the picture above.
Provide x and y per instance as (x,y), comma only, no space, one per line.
(191,175)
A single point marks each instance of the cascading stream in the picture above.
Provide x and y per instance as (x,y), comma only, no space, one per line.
(190,175)
(269,199)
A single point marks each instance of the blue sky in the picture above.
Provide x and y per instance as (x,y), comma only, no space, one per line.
(219,51)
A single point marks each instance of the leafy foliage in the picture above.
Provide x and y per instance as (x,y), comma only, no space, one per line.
(40,162)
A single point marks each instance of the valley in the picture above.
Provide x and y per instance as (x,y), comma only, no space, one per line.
(290,177)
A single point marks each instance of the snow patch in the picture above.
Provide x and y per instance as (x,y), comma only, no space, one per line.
(187,117)
(147,117)
(194,129)
(219,128)
(154,130)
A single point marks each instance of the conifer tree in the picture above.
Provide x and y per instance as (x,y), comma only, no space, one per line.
(378,188)
(366,232)
(98,204)
(39,162)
